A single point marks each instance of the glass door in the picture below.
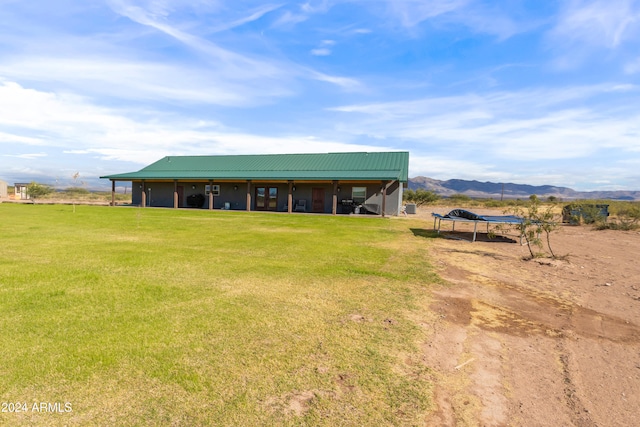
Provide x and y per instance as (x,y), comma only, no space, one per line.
(266,198)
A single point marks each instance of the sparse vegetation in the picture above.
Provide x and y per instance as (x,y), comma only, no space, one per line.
(585,213)
(627,218)
(80,195)
(539,220)
(459,198)
(76,191)
(420,197)
(37,191)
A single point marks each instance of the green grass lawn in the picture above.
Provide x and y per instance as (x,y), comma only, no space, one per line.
(190,317)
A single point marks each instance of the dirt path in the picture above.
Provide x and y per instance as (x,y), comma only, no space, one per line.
(537,343)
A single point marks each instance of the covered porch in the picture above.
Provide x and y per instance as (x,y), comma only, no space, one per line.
(381,197)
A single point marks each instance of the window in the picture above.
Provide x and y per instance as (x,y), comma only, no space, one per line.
(214,188)
(359,194)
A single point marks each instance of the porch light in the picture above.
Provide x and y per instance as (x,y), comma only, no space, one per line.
(235,188)
(193,187)
(293,188)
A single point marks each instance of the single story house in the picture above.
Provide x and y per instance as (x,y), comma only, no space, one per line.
(323,183)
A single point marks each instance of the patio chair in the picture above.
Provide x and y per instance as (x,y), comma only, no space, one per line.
(301,206)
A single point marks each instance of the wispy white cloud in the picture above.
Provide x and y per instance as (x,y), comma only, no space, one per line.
(411,12)
(15,138)
(230,66)
(142,80)
(322,51)
(289,18)
(476,15)
(346,83)
(632,67)
(27,155)
(235,64)
(253,16)
(77,127)
(586,28)
(597,23)
(528,125)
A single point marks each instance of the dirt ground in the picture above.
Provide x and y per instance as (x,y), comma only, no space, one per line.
(536,343)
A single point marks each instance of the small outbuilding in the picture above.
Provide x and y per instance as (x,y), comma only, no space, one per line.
(20,190)
(323,183)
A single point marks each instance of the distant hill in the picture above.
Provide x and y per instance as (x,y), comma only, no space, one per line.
(477,189)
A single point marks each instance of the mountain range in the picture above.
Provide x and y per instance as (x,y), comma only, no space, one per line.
(493,190)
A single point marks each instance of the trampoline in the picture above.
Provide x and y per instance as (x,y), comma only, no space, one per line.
(460,215)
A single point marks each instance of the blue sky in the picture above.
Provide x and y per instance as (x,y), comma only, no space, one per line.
(535,92)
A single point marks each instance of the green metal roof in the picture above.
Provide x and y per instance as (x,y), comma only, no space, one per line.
(330,166)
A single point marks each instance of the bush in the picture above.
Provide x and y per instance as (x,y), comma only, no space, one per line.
(626,219)
(36,191)
(585,213)
(537,221)
(420,197)
(491,203)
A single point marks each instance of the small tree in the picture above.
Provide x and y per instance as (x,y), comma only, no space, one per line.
(420,197)
(36,191)
(536,222)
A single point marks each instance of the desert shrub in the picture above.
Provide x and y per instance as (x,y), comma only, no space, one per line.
(37,191)
(420,197)
(539,221)
(460,198)
(515,202)
(491,203)
(626,219)
(76,191)
(585,213)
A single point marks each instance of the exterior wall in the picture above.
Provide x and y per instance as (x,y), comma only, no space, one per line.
(3,190)
(374,196)
(235,194)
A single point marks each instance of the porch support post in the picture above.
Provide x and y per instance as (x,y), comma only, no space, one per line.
(210,194)
(144,194)
(334,204)
(175,194)
(113,192)
(248,195)
(290,198)
(384,197)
